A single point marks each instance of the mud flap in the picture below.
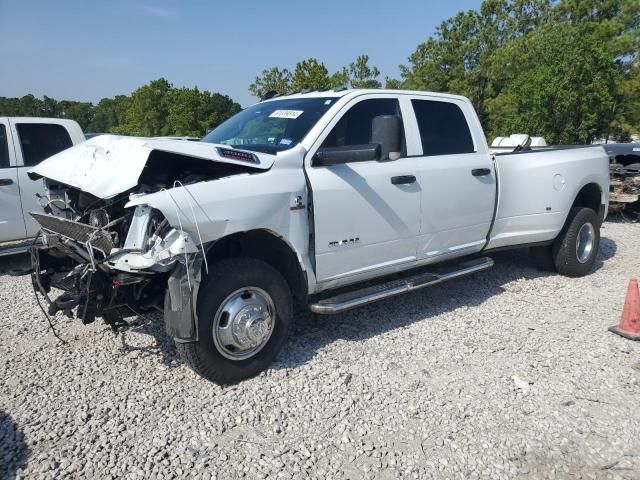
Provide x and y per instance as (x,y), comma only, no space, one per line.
(180,316)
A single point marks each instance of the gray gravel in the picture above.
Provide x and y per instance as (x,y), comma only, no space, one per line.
(507,374)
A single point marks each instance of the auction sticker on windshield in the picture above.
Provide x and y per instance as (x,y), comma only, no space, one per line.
(286,113)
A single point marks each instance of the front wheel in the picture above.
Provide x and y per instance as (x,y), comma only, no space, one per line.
(576,248)
(244,315)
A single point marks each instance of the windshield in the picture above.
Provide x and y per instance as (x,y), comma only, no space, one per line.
(273,126)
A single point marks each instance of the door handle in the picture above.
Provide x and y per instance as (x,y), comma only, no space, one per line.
(480,172)
(5,181)
(403,179)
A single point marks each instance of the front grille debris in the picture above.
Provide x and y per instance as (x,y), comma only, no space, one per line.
(80,232)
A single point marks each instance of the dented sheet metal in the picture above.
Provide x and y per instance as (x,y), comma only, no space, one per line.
(210,210)
(107,165)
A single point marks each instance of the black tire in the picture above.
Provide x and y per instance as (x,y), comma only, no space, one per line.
(224,278)
(565,256)
(543,258)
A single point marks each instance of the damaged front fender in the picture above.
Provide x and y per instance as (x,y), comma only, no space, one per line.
(159,258)
(180,316)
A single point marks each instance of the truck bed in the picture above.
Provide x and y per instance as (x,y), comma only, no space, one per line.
(536,189)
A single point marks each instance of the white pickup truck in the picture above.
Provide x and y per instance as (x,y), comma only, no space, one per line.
(325,200)
(24,143)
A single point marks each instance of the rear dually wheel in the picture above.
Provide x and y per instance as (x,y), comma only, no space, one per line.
(576,248)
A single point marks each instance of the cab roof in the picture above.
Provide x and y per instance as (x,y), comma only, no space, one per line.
(339,93)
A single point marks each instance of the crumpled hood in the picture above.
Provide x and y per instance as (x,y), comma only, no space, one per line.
(107,165)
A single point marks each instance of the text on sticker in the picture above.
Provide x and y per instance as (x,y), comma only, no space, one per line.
(286,113)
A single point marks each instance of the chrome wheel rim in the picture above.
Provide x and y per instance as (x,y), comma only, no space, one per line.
(244,323)
(584,242)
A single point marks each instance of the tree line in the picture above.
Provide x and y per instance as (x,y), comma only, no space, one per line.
(568,70)
(155,109)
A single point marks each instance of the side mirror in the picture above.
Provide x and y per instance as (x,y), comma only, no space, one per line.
(386,130)
(351,153)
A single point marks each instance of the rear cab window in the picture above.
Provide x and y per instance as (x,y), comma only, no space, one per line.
(443,128)
(41,140)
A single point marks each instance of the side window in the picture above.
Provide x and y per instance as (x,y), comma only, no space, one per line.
(4,148)
(354,128)
(443,128)
(41,140)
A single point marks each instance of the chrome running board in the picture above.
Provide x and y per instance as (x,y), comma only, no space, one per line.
(370,294)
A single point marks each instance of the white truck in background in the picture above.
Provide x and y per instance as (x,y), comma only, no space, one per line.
(24,143)
(324,200)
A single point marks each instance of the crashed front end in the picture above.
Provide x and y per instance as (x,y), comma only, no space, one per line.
(109,261)
(109,253)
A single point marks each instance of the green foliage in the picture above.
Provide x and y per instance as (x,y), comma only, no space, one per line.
(310,75)
(340,78)
(362,75)
(81,112)
(192,112)
(566,69)
(147,111)
(393,83)
(457,58)
(154,109)
(108,114)
(626,109)
(272,80)
(568,97)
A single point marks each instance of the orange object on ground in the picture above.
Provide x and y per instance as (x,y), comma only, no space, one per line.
(629,326)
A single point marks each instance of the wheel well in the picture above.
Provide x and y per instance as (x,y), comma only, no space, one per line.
(268,247)
(590,196)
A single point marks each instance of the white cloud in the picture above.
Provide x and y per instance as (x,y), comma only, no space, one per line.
(159,11)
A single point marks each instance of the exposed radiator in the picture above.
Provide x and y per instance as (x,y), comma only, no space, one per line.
(80,232)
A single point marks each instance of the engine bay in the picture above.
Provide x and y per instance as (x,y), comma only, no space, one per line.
(112,261)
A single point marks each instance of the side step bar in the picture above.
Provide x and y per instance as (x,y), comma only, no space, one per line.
(370,294)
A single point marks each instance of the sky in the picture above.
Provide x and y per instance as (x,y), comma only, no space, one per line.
(87,50)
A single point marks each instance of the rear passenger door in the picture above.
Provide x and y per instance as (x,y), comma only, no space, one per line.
(457,177)
(35,141)
(11,221)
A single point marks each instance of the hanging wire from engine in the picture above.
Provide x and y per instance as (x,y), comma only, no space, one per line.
(92,257)
(186,258)
(195,220)
(51,325)
(35,292)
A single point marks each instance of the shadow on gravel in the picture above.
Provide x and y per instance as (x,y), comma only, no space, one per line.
(13,449)
(312,332)
(608,249)
(9,263)
(152,325)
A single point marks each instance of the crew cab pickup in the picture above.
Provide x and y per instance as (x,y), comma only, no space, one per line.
(325,200)
(25,142)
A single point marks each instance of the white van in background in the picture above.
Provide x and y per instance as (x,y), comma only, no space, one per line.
(24,143)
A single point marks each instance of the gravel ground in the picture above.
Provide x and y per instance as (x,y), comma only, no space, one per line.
(507,374)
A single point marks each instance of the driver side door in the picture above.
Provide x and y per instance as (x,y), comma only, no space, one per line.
(12,226)
(365,222)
